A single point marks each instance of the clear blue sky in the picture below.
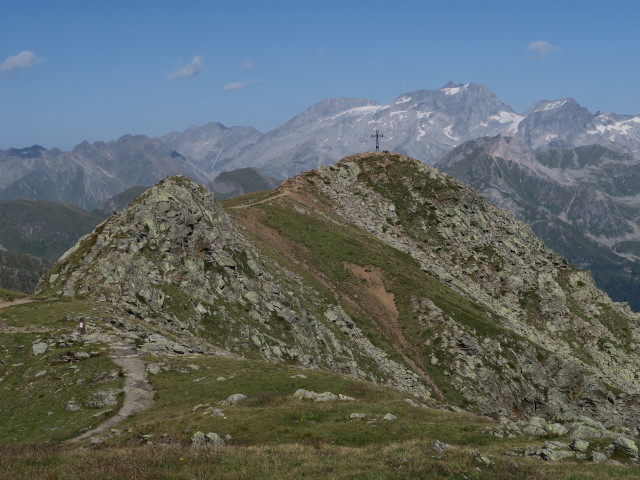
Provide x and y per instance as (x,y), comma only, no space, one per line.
(95,70)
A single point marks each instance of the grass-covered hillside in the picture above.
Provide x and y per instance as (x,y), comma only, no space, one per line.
(54,395)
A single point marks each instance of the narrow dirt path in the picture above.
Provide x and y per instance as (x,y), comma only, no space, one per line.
(19,301)
(4,328)
(138,392)
(268,199)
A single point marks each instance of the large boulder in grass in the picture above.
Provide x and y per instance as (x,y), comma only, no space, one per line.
(204,440)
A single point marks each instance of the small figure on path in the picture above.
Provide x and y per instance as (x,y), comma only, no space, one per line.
(81,328)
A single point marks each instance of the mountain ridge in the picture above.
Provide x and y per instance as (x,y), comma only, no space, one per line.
(349,268)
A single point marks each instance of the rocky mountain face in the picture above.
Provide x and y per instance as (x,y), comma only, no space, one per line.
(90,173)
(564,124)
(175,260)
(33,233)
(213,146)
(581,201)
(425,124)
(379,267)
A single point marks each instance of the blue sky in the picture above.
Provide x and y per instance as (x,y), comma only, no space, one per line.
(95,70)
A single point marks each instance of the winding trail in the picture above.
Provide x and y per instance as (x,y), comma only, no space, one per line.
(264,200)
(138,392)
(4,328)
(19,301)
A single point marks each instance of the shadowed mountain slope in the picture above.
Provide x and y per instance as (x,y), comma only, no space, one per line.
(21,272)
(42,228)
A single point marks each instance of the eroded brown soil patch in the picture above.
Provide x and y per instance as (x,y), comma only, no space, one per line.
(377,296)
(380,304)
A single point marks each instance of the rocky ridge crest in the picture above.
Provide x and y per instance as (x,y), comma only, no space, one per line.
(174,264)
(548,341)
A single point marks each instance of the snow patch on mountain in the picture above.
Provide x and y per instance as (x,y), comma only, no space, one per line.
(355,112)
(507,117)
(453,90)
(623,127)
(551,105)
(402,99)
(448,132)
(421,115)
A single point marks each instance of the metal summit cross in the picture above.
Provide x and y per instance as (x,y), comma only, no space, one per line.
(377,137)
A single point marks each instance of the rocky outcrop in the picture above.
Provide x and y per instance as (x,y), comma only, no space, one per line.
(580,201)
(174,260)
(544,340)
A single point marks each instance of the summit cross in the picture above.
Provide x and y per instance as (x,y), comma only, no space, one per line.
(377,136)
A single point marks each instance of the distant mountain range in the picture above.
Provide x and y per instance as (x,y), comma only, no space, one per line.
(579,197)
(426,124)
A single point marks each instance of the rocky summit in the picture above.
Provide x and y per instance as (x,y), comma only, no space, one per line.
(378,267)
(175,264)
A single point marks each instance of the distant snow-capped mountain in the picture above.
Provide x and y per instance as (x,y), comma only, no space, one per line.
(425,124)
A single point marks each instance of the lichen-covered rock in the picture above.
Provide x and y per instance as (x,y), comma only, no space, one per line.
(301,393)
(627,445)
(556,429)
(439,446)
(326,397)
(235,399)
(39,348)
(582,431)
(204,440)
(73,406)
(533,430)
(598,457)
(579,445)
(552,455)
(104,398)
